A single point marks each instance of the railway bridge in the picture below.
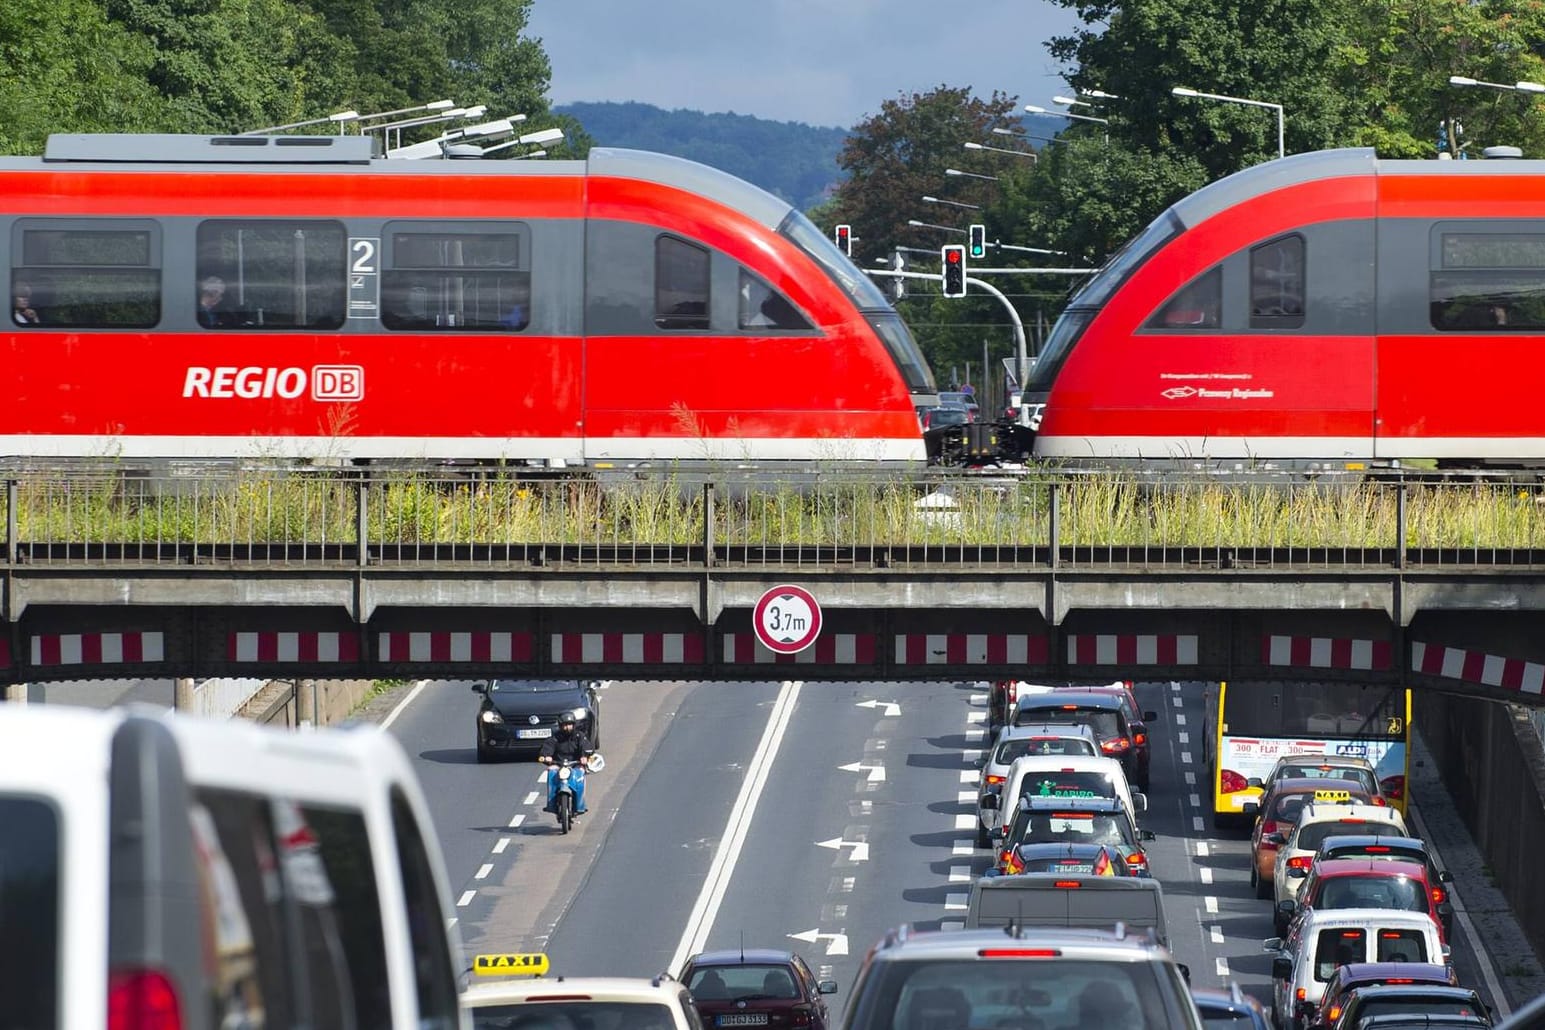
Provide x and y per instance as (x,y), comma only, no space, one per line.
(428,574)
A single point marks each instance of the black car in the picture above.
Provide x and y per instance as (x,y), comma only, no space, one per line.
(1232,1009)
(758,987)
(1409,999)
(516,716)
(1103,712)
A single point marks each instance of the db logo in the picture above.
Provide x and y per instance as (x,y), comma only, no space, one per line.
(338,383)
(1176,393)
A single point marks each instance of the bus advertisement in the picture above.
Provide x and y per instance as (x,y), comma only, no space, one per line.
(1251,725)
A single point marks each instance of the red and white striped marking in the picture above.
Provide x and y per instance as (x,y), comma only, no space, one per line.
(970,649)
(628,648)
(455,647)
(1326,652)
(97,648)
(831,649)
(1478,667)
(5,653)
(1132,649)
(292,647)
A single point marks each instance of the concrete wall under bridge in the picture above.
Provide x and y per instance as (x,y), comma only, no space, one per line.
(1498,655)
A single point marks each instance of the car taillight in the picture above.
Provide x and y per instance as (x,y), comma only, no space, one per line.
(1230,782)
(1301,862)
(1380,802)
(1012,692)
(1116,745)
(1301,994)
(142,1000)
(1142,738)
(1137,859)
(1393,787)
(1334,1013)
(1268,826)
(1377,849)
(1067,884)
(1439,895)
(1019,952)
(801,1018)
(994,781)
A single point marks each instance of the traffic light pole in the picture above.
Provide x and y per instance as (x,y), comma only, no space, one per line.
(1021,351)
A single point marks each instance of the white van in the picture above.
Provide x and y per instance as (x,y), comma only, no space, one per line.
(1065,776)
(159,870)
(1320,941)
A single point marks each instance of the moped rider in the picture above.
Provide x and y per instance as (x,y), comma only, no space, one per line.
(571,744)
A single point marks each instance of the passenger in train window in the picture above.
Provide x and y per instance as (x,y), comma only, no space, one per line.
(211,292)
(22,311)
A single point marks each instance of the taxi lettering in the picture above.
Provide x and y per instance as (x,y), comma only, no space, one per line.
(510,965)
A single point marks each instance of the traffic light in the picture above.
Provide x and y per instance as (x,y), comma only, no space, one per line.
(953,257)
(978,241)
(844,236)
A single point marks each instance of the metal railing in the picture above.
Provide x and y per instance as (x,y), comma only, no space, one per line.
(431,517)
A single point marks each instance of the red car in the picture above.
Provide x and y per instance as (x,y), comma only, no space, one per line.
(757,987)
(1368,883)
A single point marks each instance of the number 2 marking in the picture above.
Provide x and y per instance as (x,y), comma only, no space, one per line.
(365,260)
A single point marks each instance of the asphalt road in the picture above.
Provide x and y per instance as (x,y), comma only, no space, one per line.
(828,859)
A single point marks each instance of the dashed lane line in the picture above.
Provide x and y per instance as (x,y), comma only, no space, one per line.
(516,820)
(530,799)
(483,871)
(466,899)
(504,842)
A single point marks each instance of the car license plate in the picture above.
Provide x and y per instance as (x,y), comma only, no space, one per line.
(540,733)
(743,1019)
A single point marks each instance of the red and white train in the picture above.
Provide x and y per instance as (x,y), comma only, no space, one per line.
(295,297)
(1328,307)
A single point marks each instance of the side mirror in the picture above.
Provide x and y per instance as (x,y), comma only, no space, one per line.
(480,687)
(1254,781)
(990,802)
(1447,951)
(1445,910)
(1297,873)
(1282,969)
(979,763)
(1287,906)
(1249,809)
(595,761)
(1150,716)
(1139,801)
(827,987)
(1185,971)
(1445,877)
(1146,835)
(1274,838)
(996,833)
(1272,944)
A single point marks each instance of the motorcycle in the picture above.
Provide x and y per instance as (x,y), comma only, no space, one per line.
(570,775)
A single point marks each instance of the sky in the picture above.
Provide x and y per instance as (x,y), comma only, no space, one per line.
(823,62)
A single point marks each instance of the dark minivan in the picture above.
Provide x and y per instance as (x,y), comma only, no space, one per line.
(517,716)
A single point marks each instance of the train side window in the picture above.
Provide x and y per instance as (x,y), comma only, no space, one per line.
(680,284)
(1488,282)
(762,307)
(456,281)
(86,273)
(30,867)
(1198,304)
(431,953)
(1277,284)
(270,275)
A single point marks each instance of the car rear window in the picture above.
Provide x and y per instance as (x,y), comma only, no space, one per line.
(1397,892)
(1400,946)
(29,914)
(1019,747)
(1066,784)
(574,1015)
(1103,721)
(1413,1005)
(1069,827)
(1338,947)
(1310,837)
(1330,772)
(742,983)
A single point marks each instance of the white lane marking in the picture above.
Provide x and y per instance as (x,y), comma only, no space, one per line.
(1185,758)
(1190,779)
(1211,904)
(451,922)
(971,754)
(969,776)
(1180,720)
(960,874)
(891,707)
(404,703)
(1222,968)
(976,717)
(700,921)
(963,847)
(484,870)
(975,736)
(530,799)
(860,848)
(1215,934)
(1196,822)
(1179,702)
(517,820)
(1206,874)
(965,822)
(1184,737)
(1482,958)
(978,699)
(466,899)
(848,882)
(504,842)
(1201,849)
(1174,686)
(952,924)
(876,772)
(837,943)
(955,902)
(966,797)
(1195,799)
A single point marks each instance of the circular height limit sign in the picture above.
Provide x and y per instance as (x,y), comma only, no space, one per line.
(786,619)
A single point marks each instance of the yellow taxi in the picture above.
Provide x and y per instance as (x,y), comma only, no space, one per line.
(570,1003)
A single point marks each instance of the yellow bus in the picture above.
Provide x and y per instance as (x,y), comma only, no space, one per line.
(1251,725)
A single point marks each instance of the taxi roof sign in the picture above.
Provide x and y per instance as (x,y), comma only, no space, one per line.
(1333,795)
(510,965)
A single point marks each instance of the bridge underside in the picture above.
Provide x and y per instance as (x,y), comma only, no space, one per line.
(1494,654)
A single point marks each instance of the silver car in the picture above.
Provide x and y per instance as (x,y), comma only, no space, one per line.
(1016,742)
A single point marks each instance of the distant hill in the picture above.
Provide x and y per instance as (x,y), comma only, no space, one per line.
(797,162)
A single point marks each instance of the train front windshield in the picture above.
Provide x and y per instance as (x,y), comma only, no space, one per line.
(1086,303)
(893,332)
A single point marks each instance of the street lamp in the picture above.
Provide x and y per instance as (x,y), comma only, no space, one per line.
(1517,87)
(951,203)
(976,175)
(1071,102)
(969,145)
(1098,94)
(1182,91)
(930,225)
(1000,131)
(1033,109)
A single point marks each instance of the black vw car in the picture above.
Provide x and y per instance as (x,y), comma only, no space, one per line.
(516,716)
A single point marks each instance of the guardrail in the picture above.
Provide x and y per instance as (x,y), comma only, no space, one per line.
(273,517)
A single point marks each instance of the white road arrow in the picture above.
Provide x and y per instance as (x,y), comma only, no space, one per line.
(891,707)
(860,848)
(876,772)
(837,943)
